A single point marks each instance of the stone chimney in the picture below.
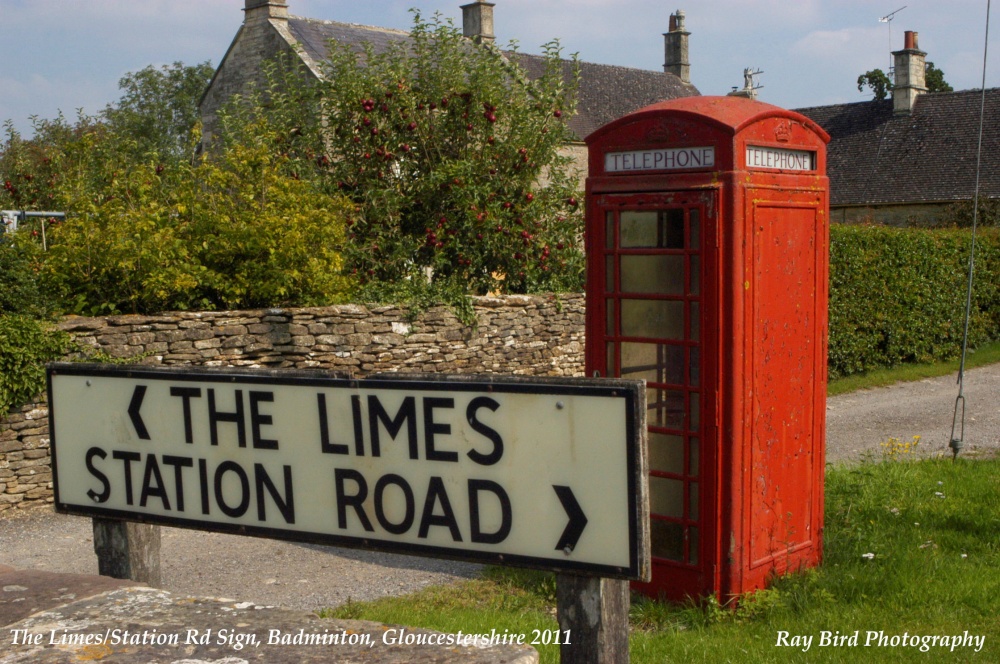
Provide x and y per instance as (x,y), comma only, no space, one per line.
(262,10)
(910,68)
(477,21)
(676,48)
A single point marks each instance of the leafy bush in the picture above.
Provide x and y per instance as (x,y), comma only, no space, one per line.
(232,230)
(25,346)
(19,288)
(898,295)
(960,214)
(261,235)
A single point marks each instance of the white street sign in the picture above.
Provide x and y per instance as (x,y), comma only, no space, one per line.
(533,472)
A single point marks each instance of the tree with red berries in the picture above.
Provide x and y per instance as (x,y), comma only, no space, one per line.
(451,154)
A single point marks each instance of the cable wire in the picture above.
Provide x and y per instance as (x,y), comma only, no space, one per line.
(956,444)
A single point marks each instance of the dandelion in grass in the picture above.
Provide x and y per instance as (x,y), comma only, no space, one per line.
(895,449)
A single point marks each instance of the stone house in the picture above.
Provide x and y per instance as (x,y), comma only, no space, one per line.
(903,160)
(606,92)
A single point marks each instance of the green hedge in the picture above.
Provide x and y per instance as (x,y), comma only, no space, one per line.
(898,295)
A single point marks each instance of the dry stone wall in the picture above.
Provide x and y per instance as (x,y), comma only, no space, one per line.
(523,335)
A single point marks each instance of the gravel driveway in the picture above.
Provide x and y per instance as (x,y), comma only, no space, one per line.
(298,576)
(857,423)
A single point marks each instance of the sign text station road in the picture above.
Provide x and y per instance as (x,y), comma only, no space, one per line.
(533,472)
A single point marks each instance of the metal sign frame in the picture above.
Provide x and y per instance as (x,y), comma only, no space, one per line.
(633,447)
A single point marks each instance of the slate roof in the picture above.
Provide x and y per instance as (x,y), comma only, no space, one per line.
(875,157)
(606,92)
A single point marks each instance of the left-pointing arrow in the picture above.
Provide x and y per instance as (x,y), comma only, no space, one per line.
(577,519)
(133,411)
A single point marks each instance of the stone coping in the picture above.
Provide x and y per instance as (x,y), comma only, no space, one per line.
(126,623)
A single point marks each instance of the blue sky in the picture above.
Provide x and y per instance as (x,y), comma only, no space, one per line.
(68,54)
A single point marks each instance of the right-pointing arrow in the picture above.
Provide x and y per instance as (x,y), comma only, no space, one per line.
(577,519)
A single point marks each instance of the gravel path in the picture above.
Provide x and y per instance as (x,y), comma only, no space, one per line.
(859,422)
(298,576)
(266,572)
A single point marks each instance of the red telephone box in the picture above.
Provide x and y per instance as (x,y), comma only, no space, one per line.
(707,243)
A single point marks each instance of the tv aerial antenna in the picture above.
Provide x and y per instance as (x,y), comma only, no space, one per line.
(887,19)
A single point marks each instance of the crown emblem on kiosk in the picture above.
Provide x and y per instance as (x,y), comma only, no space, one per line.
(661,131)
(783,132)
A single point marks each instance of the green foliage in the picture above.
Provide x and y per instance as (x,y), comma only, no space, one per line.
(262,236)
(934,79)
(877,81)
(158,109)
(960,214)
(25,346)
(898,295)
(154,121)
(36,171)
(19,288)
(881,85)
(451,156)
(231,231)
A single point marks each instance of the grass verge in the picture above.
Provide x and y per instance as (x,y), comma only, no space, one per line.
(986,354)
(911,547)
